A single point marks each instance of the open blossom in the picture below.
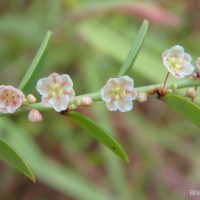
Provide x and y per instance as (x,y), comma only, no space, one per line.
(118,93)
(177,62)
(10,99)
(56,91)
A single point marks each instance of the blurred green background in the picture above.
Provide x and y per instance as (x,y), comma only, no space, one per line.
(90,41)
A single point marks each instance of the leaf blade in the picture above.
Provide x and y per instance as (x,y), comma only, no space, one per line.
(99,133)
(30,78)
(136,46)
(9,155)
(186,108)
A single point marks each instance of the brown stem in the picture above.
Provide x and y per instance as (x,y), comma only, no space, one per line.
(165,81)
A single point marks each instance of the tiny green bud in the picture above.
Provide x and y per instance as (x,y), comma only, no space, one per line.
(170,90)
(141,97)
(174,87)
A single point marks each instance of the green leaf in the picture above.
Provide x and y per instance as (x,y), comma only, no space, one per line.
(186,108)
(99,133)
(10,156)
(59,177)
(33,72)
(100,36)
(132,55)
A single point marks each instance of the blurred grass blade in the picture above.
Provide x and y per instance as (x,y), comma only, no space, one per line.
(186,108)
(132,55)
(99,133)
(10,156)
(33,72)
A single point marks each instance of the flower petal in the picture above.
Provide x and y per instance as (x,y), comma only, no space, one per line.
(187,57)
(54,78)
(110,105)
(123,104)
(105,93)
(65,81)
(126,82)
(198,63)
(43,86)
(176,51)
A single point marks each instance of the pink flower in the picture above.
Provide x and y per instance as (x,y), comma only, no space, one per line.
(118,93)
(35,116)
(10,99)
(198,63)
(177,62)
(56,91)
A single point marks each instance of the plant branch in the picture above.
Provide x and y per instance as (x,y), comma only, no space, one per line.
(96,95)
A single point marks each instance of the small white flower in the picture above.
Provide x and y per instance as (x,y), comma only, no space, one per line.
(177,62)
(10,99)
(56,90)
(118,93)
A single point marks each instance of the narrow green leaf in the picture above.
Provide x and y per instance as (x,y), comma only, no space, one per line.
(132,55)
(12,157)
(99,133)
(186,108)
(33,72)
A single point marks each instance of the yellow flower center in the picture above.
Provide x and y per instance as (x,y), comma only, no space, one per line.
(56,90)
(117,92)
(175,63)
(10,97)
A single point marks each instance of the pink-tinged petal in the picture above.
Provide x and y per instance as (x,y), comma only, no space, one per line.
(71,95)
(178,75)
(187,57)
(11,109)
(164,53)
(187,69)
(65,81)
(110,105)
(105,93)
(45,101)
(124,105)
(59,104)
(126,82)
(2,104)
(43,86)
(54,78)
(198,62)
(132,95)
(3,110)
(112,81)
(176,51)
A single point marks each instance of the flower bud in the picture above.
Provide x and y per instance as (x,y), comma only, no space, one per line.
(31,99)
(191,92)
(35,116)
(86,101)
(141,97)
(174,87)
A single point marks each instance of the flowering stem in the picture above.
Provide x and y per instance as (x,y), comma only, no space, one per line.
(96,95)
(165,81)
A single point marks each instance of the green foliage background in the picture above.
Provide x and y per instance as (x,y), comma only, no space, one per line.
(90,42)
